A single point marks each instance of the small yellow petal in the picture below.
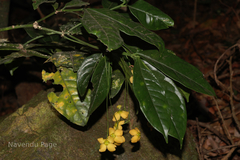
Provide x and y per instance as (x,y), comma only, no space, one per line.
(121,123)
(119,139)
(116,116)
(111,147)
(137,129)
(111,130)
(119,106)
(103,148)
(119,132)
(131,79)
(124,114)
(135,139)
(110,139)
(118,125)
(133,132)
(101,140)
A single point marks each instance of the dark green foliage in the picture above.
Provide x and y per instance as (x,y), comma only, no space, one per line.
(95,52)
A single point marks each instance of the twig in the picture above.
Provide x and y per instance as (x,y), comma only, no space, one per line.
(222,137)
(231,9)
(41,14)
(236,72)
(231,95)
(226,117)
(224,147)
(230,152)
(224,125)
(216,67)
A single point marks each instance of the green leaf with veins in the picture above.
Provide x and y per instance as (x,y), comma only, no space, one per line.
(106,24)
(178,69)
(85,72)
(68,103)
(68,59)
(160,101)
(149,16)
(101,81)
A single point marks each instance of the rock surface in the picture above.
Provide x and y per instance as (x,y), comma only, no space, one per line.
(37,131)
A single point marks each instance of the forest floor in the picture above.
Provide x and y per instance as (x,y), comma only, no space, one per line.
(206,34)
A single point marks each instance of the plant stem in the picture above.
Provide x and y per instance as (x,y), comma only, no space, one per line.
(72,38)
(46,17)
(16,27)
(107,115)
(81,42)
(71,10)
(74,27)
(119,6)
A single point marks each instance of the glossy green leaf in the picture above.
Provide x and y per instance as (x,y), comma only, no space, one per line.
(106,24)
(85,72)
(101,81)
(160,100)
(36,3)
(110,3)
(149,16)
(76,3)
(117,81)
(72,27)
(68,102)
(179,70)
(68,59)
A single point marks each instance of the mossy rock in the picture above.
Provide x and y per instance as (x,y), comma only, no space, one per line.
(37,131)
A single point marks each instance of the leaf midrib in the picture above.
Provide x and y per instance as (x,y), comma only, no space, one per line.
(100,26)
(175,72)
(70,94)
(151,98)
(155,16)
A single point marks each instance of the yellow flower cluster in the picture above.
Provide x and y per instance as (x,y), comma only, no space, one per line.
(116,137)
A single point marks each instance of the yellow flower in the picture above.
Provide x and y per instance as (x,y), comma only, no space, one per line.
(107,144)
(116,135)
(136,135)
(119,107)
(118,114)
(131,78)
(118,125)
